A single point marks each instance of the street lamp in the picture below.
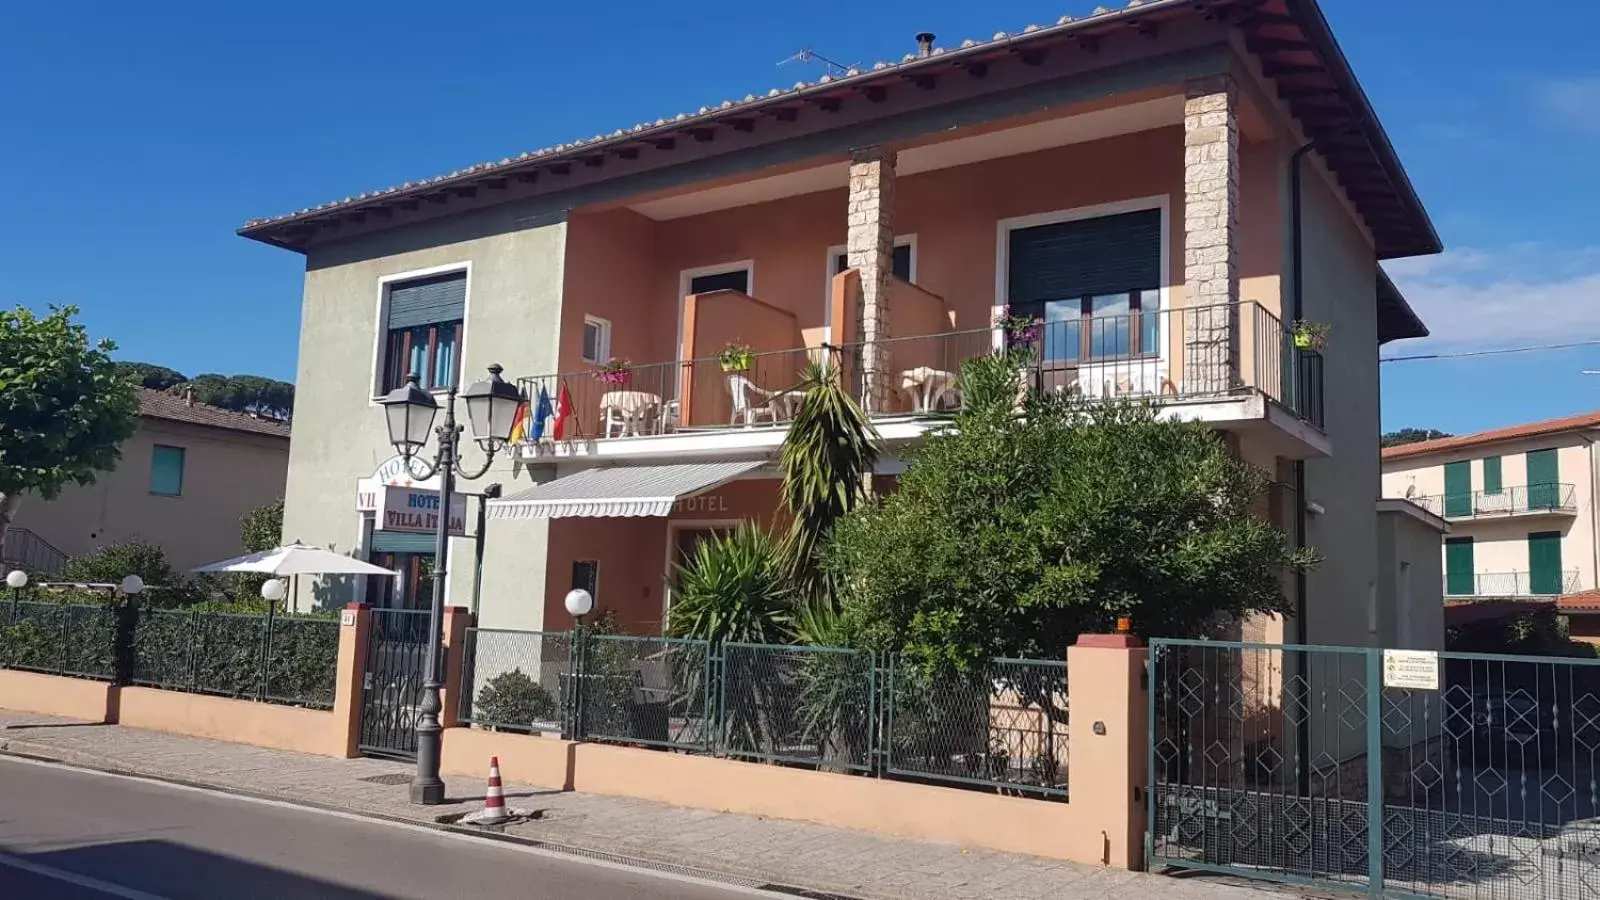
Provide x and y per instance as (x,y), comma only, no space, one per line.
(132,585)
(16,579)
(272,590)
(409,412)
(579,603)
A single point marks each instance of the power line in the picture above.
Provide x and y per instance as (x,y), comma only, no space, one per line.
(1465,353)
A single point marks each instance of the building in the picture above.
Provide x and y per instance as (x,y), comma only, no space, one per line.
(187,476)
(1167,187)
(1520,502)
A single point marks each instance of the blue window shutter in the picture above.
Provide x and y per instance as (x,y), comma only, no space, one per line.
(428,301)
(166,471)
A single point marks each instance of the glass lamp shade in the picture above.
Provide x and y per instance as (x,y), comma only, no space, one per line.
(16,579)
(409,411)
(132,584)
(579,602)
(492,408)
(273,589)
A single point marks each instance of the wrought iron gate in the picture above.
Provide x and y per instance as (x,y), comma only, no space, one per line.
(397,656)
(1299,764)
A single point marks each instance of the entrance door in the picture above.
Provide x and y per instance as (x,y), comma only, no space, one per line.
(682,546)
(1544,562)
(1459,579)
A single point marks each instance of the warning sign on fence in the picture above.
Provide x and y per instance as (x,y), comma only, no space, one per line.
(1413,670)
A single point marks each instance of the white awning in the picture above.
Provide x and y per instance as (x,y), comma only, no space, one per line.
(618,490)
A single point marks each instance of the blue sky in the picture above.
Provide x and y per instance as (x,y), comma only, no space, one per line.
(140,135)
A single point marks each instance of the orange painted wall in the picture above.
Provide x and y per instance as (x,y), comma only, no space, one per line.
(632,552)
(610,272)
(714,320)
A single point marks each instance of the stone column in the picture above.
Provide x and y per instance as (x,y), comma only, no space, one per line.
(1210,236)
(869,247)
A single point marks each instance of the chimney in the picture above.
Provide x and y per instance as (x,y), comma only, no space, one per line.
(925,43)
(188,395)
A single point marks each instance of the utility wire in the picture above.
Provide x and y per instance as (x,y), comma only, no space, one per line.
(1465,353)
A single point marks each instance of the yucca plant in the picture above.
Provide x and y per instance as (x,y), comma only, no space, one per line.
(827,459)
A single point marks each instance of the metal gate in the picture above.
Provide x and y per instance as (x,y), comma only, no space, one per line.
(1398,774)
(397,656)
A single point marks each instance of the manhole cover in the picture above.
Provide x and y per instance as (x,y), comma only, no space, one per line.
(395,778)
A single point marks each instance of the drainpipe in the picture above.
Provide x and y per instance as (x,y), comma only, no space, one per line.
(1594,510)
(1296,307)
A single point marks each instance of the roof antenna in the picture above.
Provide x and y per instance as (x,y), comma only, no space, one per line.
(806,54)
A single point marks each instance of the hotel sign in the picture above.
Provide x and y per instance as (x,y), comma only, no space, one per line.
(416,510)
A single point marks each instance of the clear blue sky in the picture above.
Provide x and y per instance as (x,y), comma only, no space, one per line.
(138,136)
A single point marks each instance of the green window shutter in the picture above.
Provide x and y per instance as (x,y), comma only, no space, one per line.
(1458,488)
(166,471)
(1544,562)
(1543,479)
(1458,576)
(1491,475)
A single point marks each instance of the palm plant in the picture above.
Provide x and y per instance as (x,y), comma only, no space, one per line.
(827,459)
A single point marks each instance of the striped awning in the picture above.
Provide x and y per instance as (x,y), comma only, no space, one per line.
(641,490)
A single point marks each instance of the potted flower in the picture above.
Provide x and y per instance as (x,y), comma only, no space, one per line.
(736,357)
(615,371)
(1021,332)
(1310,335)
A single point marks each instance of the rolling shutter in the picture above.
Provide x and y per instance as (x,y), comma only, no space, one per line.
(428,301)
(1105,255)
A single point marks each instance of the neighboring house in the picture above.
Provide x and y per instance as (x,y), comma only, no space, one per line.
(1133,180)
(186,477)
(1520,502)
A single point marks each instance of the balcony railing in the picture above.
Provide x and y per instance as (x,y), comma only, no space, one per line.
(1535,499)
(29,551)
(1511,584)
(1186,354)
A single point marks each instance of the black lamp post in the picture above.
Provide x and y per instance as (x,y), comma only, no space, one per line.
(409,411)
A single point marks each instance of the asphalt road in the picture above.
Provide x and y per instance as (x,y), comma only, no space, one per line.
(74,835)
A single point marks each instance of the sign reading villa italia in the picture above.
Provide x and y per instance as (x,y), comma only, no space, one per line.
(417,510)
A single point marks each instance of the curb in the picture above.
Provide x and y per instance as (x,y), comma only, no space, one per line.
(25,749)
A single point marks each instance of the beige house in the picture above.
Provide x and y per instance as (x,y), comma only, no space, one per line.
(186,477)
(1520,502)
(1162,191)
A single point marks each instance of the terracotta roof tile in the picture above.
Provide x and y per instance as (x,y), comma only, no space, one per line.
(159,405)
(1583,601)
(1530,429)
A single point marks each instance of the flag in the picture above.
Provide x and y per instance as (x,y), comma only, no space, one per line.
(541,414)
(519,424)
(563,413)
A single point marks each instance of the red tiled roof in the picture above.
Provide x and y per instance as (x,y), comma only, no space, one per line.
(158,405)
(1530,429)
(1583,601)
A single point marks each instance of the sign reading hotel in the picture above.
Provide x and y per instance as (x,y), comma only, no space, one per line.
(416,510)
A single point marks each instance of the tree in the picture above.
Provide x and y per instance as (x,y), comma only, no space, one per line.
(1013,533)
(64,407)
(262,527)
(1411,436)
(241,393)
(149,375)
(164,585)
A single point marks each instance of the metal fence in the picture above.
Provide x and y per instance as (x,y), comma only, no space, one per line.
(269,658)
(1310,764)
(1000,727)
(58,639)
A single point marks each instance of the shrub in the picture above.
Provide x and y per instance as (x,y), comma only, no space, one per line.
(514,701)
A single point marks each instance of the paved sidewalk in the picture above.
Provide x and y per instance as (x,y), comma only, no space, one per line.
(750,848)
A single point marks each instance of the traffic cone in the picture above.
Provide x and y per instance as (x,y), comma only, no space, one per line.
(494,798)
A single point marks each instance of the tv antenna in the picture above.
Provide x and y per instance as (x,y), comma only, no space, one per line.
(806,54)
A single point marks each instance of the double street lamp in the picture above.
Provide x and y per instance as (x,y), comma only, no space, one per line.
(409,411)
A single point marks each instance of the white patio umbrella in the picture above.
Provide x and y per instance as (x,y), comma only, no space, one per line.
(297,559)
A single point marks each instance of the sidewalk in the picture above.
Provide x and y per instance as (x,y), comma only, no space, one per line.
(753,850)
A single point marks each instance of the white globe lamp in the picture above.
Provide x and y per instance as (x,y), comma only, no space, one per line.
(579,603)
(273,590)
(16,579)
(132,585)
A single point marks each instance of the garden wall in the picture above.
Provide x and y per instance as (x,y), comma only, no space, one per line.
(56,695)
(224,719)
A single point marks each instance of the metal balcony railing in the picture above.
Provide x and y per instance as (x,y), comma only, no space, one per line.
(1534,499)
(1196,353)
(1511,584)
(27,550)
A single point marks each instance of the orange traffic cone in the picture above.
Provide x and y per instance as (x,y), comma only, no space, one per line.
(494,798)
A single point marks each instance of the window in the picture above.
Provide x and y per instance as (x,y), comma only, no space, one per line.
(732,280)
(586,575)
(1544,562)
(424,319)
(1491,475)
(596,340)
(1459,579)
(1458,488)
(902,268)
(166,471)
(1095,283)
(1544,473)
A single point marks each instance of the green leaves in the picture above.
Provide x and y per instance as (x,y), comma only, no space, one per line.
(827,459)
(64,407)
(1033,521)
(733,588)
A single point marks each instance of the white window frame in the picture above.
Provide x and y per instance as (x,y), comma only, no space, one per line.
(1002,253)
(748,266)
(602,340)
(380,330)
(832,268)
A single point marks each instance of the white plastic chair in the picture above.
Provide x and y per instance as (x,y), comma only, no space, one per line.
(740,388)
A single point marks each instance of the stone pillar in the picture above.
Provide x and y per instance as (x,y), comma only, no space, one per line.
(1210,236)
(456,622)
(869,247)
(355,630)
(1109,734)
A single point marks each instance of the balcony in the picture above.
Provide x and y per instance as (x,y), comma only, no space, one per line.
(1516,502)
(1496,585)
(1232,366)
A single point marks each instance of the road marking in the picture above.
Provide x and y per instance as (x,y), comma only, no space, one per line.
(76,880)
(555,855)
